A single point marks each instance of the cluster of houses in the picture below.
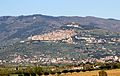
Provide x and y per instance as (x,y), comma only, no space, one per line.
(44,60)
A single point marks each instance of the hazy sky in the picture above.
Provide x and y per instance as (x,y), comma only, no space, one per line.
(98,8)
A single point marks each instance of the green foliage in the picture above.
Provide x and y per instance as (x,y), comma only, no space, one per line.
(115,65)
(20,75)
(37,70)
(26,74)
(33,74)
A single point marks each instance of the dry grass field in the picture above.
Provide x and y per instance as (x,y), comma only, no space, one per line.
(115,72)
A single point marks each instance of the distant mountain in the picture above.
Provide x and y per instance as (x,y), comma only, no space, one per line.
(21,27)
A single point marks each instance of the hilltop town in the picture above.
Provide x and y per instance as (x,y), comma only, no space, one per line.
(64,35)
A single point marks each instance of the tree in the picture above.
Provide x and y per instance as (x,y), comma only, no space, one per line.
(58,73)
(52,72)
(20,75)
(65,71)
(71,71)
(77,70)
(46,73)
(40,74)
(26,74)
(33,74)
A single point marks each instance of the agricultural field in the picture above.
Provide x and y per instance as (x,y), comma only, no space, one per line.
(114,72)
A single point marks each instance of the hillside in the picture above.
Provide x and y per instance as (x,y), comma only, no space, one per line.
(52,40)
(21,27)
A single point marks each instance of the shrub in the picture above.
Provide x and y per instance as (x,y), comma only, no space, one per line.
(102,73)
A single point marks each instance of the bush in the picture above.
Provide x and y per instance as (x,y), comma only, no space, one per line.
(102,73)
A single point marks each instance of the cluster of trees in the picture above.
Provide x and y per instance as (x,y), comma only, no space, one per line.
(40,73)
(108,66)
(44,70)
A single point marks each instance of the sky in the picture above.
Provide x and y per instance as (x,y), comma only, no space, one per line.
(97,8)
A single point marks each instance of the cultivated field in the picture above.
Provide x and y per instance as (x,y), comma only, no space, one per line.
(115,72)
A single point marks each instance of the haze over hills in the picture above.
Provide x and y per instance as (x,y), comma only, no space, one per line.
(24,26)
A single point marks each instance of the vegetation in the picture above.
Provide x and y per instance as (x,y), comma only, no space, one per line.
(44,70)
(102,73)
(12,50)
